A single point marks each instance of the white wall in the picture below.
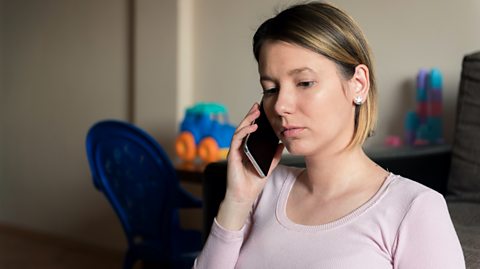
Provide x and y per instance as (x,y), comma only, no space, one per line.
(408,35)
(404,35)
(156,69)
(64,67)
(225,70)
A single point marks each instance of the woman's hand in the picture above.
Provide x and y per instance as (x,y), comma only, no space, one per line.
(243,182)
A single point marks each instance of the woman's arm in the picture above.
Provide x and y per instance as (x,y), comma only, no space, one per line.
(222,248)
(243,183)
(243,188)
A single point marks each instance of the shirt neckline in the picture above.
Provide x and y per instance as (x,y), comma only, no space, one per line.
(283,219)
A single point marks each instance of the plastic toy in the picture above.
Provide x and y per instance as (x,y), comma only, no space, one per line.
(424,126)
(204,132)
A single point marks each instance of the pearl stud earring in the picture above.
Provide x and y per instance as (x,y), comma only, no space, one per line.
(358,100)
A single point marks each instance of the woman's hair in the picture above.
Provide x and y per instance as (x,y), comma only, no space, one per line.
(329,31)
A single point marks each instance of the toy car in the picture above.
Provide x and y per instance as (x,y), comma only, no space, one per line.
(204,132)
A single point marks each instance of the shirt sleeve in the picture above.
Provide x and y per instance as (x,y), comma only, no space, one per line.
(426,237)
(222,248)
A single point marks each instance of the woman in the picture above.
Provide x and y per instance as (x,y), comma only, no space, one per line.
(342,210)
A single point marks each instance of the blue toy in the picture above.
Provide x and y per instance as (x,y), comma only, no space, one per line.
(204,132)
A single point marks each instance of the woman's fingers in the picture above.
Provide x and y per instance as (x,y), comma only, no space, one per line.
(240,134)
(245,127)
(250,117)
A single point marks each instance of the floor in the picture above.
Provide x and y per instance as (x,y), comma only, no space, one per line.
(20,249)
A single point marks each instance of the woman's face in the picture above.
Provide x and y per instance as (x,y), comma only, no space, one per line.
(306,99)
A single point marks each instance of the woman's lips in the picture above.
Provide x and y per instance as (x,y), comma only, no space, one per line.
(291,131)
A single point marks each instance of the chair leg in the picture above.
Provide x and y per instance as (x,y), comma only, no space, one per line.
(129,260)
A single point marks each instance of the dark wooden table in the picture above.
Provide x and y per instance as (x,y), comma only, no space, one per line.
(191,172)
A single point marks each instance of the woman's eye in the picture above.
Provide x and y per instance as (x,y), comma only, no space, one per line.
(270,91)
(306,84)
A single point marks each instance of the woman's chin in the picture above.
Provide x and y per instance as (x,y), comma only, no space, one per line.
(296,150)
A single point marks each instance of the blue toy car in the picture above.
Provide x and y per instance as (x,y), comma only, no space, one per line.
(204,132)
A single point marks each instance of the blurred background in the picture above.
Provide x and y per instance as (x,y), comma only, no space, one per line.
(65,64)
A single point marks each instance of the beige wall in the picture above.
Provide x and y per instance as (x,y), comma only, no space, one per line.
(156,69)
(64,66)
(404,35)
(2,99)
(408,35)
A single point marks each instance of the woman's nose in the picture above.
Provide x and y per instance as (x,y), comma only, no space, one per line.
(285,102)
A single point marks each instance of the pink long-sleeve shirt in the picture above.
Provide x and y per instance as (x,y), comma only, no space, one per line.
(405,225)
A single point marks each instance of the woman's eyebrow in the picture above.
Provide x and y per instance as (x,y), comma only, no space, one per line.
(266,78)
(300,70)
(290,73)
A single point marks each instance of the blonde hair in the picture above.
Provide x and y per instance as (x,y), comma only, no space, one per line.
(332,33)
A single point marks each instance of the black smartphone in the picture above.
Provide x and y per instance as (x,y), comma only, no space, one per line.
(261,145)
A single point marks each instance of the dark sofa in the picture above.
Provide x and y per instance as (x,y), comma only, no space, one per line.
(453,171)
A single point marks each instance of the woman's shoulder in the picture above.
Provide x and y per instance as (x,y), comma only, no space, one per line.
(402,199)
(409,187)
(405,192)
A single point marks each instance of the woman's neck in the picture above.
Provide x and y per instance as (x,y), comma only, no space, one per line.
(334,174)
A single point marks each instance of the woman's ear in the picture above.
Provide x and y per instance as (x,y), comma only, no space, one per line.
(359,84)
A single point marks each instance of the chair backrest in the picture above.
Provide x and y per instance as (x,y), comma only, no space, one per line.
(138,179)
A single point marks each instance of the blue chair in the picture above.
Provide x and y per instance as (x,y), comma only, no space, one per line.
(138,179)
